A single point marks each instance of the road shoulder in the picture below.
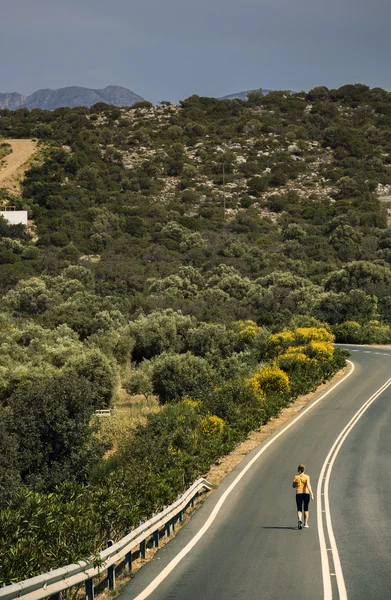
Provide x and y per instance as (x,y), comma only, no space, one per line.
(226,469)
(227,463)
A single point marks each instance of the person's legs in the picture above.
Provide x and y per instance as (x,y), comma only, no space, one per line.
(306,501)
(299,505)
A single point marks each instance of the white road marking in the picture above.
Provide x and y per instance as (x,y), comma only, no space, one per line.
(329,465)
(175,561)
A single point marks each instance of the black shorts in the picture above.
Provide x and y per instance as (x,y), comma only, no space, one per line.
(302,499)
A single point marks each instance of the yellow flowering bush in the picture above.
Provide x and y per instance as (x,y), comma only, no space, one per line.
(293,359)
(319,350)
(295,351)
(247,330)
(305,335)
(196,404)
(279,343)
(254,385)
(272,379)
(211,426)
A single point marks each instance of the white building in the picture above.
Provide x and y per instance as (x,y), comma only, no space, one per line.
(15,217)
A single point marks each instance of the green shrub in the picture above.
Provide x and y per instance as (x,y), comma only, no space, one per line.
(176,376)
(159,332)
(304,373)
(373,332)
(239,405)
(49,421)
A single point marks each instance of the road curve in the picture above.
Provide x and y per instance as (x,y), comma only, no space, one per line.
(253,549)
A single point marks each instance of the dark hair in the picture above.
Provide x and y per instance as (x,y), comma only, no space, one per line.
(301,468)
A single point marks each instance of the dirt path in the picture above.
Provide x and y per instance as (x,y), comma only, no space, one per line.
(12,171)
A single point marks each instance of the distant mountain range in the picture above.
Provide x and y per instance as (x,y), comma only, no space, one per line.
(70,96)
(244,95)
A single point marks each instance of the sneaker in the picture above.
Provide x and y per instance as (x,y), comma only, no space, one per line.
(306,525)
(300,524)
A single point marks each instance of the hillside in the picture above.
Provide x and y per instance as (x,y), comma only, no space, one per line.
(195,260)
(144,189)
(48,99)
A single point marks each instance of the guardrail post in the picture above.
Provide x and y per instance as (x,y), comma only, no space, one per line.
(142,548)
(128,562)
(128,557)
(111,571)
(173,524)
(56,596)
(181,516)
(192,500)
(89,589)
(156,538)
(167,529)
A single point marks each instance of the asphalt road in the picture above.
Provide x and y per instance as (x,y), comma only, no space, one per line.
(253,549)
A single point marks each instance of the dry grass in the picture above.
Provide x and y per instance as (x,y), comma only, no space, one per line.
(126,413)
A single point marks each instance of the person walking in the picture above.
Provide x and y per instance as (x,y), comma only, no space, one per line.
(303,493)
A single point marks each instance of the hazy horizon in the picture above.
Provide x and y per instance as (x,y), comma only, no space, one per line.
(168,51)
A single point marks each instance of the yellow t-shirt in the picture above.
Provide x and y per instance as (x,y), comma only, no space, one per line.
(301,482)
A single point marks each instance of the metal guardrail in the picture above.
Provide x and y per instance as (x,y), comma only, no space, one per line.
(57,581)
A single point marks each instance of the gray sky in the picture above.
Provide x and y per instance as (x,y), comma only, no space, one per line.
(170,49)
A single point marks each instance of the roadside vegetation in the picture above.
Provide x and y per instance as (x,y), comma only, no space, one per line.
(196,261)
(71,501)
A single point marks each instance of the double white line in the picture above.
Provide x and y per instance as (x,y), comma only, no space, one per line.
(323,505)
(175,561)
(323,485)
